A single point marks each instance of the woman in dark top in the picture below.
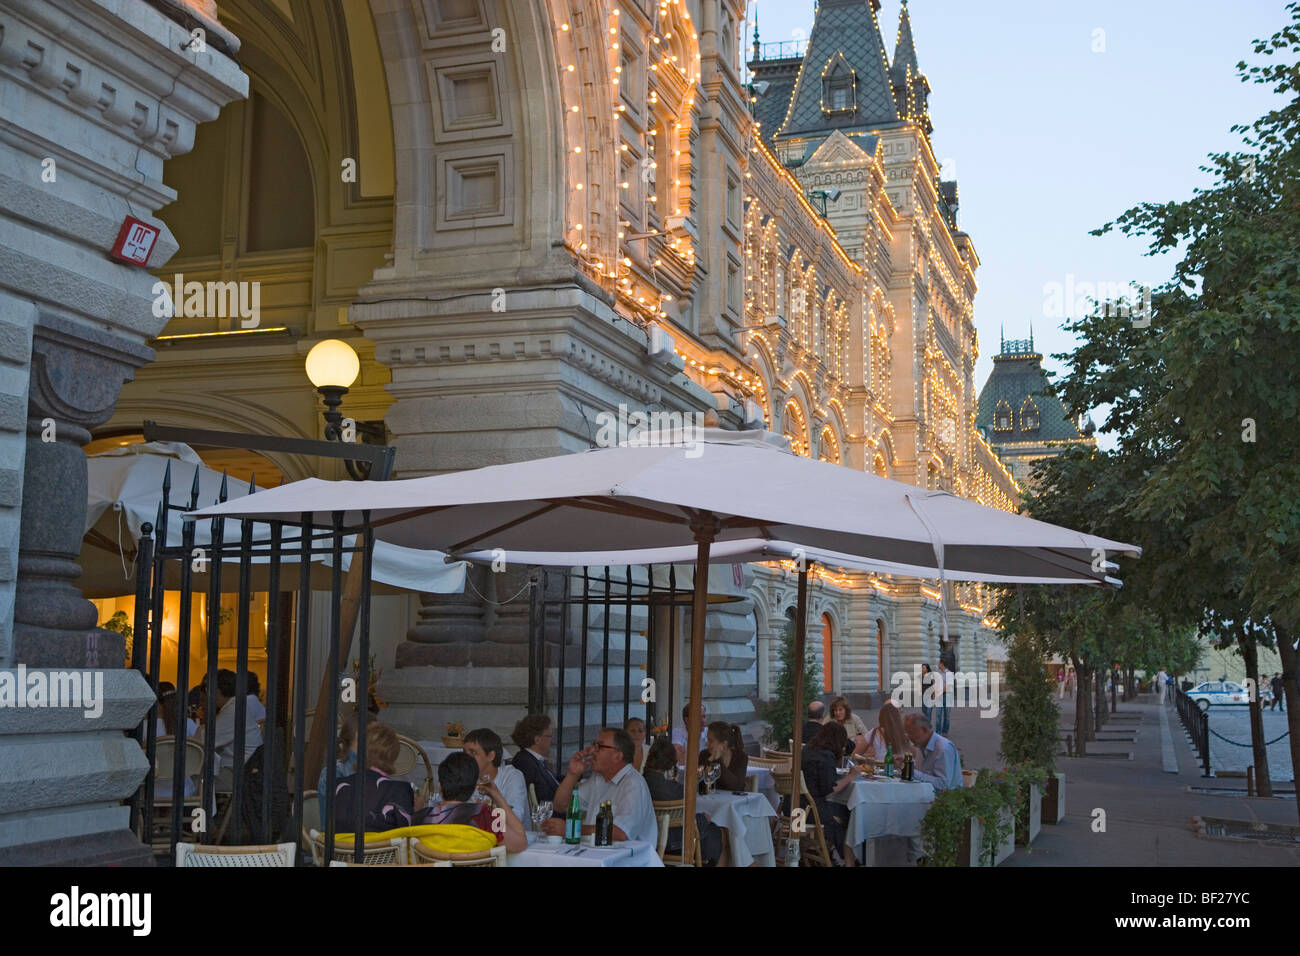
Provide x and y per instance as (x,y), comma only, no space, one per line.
(388,803)
(819,761)
(726,748)
(659,761)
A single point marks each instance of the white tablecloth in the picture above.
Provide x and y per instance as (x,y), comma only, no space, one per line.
(880,807)
(766,784)
(628,853)
(745,818)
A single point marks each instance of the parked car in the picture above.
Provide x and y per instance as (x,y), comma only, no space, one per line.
(1218,693)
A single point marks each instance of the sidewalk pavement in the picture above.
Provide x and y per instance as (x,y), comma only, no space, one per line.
(1147,810)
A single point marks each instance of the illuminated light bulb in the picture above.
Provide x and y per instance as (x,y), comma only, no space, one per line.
(577,149)
(564,27)
(579,186)
(571,67)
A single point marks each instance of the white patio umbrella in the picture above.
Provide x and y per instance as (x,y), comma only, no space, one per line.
(124,489)
(726,489)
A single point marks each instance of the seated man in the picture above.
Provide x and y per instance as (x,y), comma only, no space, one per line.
(816,717)
(939,763)
(532,735)
(224,726)
(614,779)
(457,778)
(485,747)
(679,732)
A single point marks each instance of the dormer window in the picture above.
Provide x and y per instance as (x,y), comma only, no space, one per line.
(1029,419)
(839,87)
(1002,417)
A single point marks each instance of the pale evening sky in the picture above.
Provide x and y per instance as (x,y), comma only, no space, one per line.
(1049,139)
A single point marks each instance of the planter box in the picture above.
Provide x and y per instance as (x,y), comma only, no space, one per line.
(974,838)
(1054,799)
(1035,816)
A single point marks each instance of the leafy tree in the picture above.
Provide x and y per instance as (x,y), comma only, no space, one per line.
(777,711)
(1217,435)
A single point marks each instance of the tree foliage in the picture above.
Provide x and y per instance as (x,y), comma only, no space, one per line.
(777,711)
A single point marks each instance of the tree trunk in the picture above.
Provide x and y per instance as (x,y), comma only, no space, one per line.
(1081,722)
(1290,695)
(1263,785)
(1099,704)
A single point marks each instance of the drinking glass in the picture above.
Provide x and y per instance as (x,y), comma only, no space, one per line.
(712,774)
(542,813)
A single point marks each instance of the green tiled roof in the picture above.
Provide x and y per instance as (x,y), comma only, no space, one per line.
(1018,380)
(847,29)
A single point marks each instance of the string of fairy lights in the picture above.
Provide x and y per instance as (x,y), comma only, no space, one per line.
(652,55)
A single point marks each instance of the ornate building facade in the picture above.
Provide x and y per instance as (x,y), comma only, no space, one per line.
(1021,414)
(505,205)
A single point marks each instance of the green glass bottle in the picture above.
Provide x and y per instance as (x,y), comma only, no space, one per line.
(573,821)
(889,760)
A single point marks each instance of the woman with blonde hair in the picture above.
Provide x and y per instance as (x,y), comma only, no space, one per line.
(856,730)
(888,732)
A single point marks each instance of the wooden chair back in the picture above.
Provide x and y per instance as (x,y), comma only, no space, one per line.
(814,851)
(669,814)
(409,755)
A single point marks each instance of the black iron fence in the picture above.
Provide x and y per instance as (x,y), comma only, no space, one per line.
(1197,723)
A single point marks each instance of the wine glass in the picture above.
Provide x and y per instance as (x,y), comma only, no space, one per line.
(712,774)
(541,813)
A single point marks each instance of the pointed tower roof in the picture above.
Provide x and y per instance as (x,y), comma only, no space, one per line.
(904,47)
(911,88)
(844,81)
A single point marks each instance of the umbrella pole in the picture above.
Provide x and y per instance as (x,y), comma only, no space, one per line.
(797,705)
(705,530)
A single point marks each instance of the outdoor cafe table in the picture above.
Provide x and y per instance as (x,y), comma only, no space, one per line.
(745,817)
(764,783)
(883,807)
(542,853)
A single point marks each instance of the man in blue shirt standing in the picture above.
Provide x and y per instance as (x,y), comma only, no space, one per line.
(939,764)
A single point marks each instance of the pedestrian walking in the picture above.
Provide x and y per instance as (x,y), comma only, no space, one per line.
(928,680)
(1060,684)
(1279,691)
(1160,685)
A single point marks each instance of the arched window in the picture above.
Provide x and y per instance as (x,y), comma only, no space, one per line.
(828,634)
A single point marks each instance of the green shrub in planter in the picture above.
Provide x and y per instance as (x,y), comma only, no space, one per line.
(944,827)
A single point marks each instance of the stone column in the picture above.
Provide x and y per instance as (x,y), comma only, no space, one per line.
(76,374)
(97,96)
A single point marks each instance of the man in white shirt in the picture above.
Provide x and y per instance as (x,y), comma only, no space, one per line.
(224,726)
(485,747)
(679,732)
(1160,686)
(614,779)
(940,764)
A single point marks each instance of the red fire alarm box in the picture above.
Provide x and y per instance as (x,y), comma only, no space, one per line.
(134,242)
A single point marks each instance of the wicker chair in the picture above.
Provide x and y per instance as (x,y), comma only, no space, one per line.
(672,813)
(423,856)
(164,758)
(409,755)
(772,763)
(376,851)
(770,754)
(814,850)
(274,854)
